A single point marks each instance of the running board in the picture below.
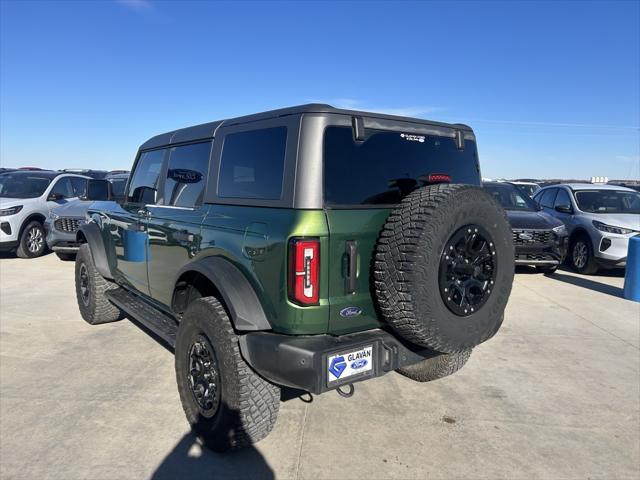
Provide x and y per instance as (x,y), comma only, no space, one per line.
(141,311)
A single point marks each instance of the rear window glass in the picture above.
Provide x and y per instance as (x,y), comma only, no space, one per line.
(252,164)
(389,165)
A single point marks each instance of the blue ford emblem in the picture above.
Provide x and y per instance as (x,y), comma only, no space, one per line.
(350,312)
(359,363)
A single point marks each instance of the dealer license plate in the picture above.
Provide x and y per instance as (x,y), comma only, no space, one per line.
(345,365)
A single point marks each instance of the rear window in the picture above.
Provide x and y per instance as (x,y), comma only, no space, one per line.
(388,165)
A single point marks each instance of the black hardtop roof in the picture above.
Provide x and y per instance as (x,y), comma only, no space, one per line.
(207,130)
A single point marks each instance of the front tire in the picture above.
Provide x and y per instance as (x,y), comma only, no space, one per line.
(226,403)
(91,291)
(436,367)
(581,256)
(32,241)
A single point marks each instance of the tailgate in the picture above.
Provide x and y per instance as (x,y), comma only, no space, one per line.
(352,238)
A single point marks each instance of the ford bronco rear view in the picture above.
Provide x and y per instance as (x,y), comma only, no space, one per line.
(309,248)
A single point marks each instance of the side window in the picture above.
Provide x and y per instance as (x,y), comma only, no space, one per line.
(79,186)
(63,188)
(252,164)
(548,197)
(562,198)
(144,182)
(187,175)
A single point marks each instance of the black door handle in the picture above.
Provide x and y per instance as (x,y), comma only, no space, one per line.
(352,267)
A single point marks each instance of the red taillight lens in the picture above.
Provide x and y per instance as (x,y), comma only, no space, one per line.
(304,271)
(439,178)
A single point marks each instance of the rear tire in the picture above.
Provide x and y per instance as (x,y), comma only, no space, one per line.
(91,291)
(436,367)
(229,405)
(32,241)
(581,256)
(66,257)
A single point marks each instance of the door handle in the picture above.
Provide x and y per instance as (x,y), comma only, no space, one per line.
(352,267)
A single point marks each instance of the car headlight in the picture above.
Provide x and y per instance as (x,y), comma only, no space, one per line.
(5,212)
(603,227)
(560,230)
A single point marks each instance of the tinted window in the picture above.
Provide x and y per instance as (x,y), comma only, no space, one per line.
(23,186)
(187,175)
(117,186)
(548,197)
(79,186)
(144,183)
(608,201)
(387,166)
(63,188)
(252,164)
(510,197)
(562,198)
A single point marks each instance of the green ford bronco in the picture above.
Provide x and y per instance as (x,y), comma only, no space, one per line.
(309,248)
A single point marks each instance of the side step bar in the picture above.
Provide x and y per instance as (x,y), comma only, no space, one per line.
(140,310)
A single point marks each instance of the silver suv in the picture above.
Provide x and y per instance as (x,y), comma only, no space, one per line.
(600,220)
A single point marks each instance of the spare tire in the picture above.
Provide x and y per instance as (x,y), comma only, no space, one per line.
(443,267)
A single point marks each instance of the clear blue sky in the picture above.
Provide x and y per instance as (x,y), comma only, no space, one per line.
(552,89)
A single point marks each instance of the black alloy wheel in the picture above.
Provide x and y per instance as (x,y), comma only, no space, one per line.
(467,270)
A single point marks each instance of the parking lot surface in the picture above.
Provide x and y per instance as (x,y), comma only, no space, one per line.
(556,394)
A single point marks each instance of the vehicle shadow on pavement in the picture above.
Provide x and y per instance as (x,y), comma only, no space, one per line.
(190,459)
(586,283)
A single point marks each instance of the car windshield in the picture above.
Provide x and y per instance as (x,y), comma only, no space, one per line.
(608,201)
(511,197)
(23,186)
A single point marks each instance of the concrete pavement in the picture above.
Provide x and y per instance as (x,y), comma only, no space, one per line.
(556,394)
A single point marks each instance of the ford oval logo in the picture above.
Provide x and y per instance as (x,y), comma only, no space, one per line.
(359,363)
(350,312)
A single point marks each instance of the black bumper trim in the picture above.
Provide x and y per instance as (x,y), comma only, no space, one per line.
(301,361)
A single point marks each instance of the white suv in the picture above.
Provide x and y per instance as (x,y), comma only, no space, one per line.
(26,197)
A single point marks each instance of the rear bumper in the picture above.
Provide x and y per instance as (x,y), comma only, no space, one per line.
(302,361)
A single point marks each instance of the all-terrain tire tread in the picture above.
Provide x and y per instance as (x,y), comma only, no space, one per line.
(100,309)
(257,401)
(399,259)
(436,367)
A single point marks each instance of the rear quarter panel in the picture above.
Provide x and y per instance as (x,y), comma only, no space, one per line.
(255,240)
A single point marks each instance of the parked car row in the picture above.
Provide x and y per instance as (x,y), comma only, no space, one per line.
(42,209)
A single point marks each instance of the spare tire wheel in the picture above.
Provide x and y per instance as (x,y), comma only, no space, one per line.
(443,267)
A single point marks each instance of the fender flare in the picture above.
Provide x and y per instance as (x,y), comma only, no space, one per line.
(238,295)
(93,235)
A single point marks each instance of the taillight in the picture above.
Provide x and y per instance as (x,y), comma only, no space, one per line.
(304,271)
(439,178)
